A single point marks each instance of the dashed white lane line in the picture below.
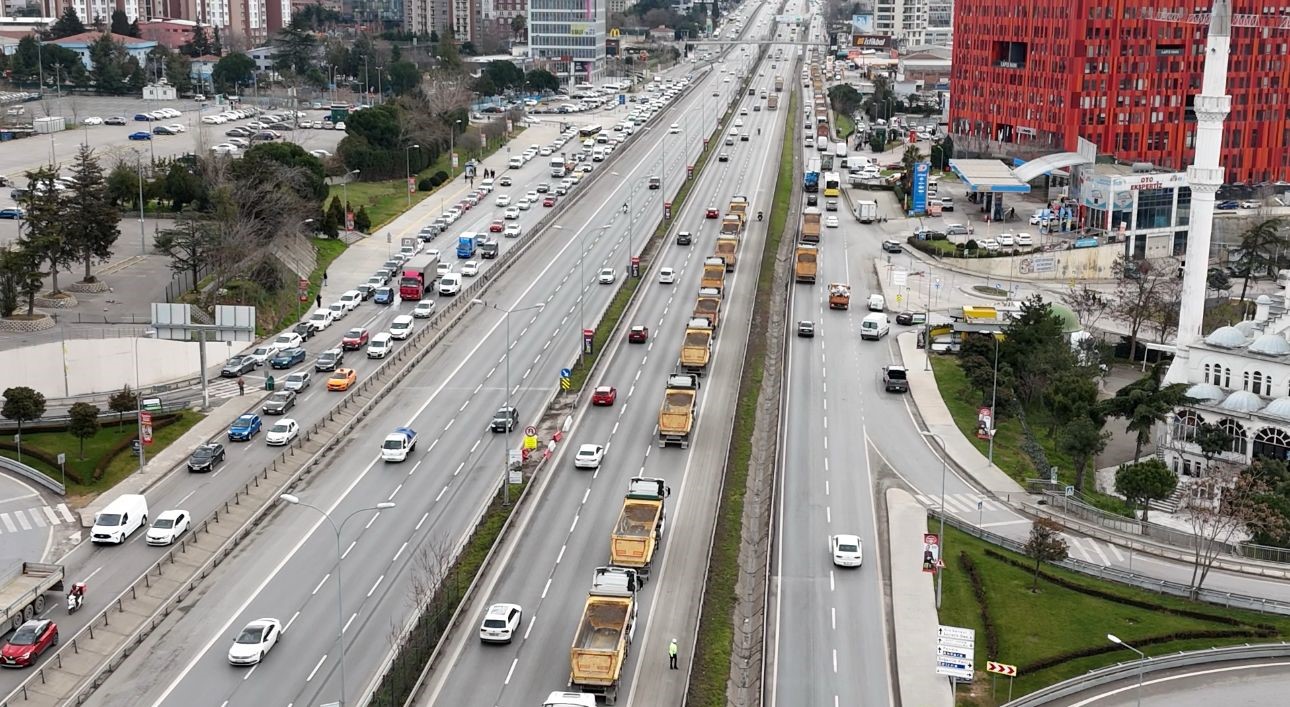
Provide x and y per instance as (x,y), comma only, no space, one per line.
(441,493)
(423,520)
(321,582)
(402,547)
(375,584)
(314,672)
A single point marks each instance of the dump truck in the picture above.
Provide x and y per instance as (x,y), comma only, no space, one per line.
(639,529)
(732,225)
(779,84)
(739,205)
(714,274)
(604,633)
(810,225)
(727,250)
(772,102)
(708,306)
(839,295)
(804,263)
(696,347)
(676,418)
(23,594)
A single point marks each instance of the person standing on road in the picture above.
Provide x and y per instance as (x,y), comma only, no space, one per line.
(318,300)
(671,655)
(241,390)
(324,278)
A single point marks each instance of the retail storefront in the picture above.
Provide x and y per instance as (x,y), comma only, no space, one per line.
(1148,212)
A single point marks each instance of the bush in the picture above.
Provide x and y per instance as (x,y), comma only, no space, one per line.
(158,422)
(442,176)
(983,602)
(426,184)
(434,181)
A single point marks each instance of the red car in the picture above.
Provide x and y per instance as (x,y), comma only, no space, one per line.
(496,227)
(638,335)
(355,339)
(604,395)
(549,201)
(464,205)
(713,213)
(28,643)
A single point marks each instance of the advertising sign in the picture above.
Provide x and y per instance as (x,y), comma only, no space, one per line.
(412,185)
(921,172)
(588,341)
(871,41)
(984,422)
(862,24)
(145,425)
(349,220)
(931,552)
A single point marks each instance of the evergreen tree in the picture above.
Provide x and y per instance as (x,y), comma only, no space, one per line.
(92,217)
(45,235)
(121,23)
(362,222)
(110,72)
(68,24)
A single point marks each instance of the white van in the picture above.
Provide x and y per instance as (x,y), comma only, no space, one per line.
(877,303)
(380,345)
(124,515)
(874,326)
(516,162)
(401,327)
(598,154)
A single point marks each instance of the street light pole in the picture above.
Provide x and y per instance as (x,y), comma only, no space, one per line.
(407,168)
(340,593)
(1142,659)
(506,467)
(994,398)
(941,539)
(143,248)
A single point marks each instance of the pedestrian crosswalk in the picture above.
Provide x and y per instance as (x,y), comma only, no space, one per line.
(963,504)
(1097,552)
(227,387)
(38,517)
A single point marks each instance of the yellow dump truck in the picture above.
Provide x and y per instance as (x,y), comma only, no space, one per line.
(804,263)
(708,306)
(639,529)
(810,225)
(732,225)
(714,274)
(839,295)
(676,418)
(727,250)
(739,205)
(605,633)
(696,348)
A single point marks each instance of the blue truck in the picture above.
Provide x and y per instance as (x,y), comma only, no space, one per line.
(466,246)
(811,179)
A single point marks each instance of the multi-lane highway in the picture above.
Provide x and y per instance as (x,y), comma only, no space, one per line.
(289,572)
(565,535)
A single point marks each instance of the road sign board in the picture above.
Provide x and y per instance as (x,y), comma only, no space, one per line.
(955,642)
(566,372)
(962,634)
(1000,668)
(954,651)
(530,431)
(954,669)
(566,384)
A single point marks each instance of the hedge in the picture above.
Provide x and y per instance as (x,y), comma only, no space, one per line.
(982,601)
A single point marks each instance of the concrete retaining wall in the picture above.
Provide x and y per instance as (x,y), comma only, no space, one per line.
(83,366)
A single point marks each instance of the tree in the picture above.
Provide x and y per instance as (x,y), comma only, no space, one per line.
(121,24)
(1045,544)
(1036,348)
(541,80)
(1140,287)
(123,401)
(362,222)
(1213,440)
(911,157)
(295,50)
(845,99)
(292,156)
(1260,250)
(198,45)
(191,243)
(1083,438)
(1218,280)
(22,404)
(231,71)
(1146,401)
(112,65)
(1143,482)
(1087,303)
(68,24)
(877,140)
(45,235)
(92,217)
(182,186)
(1222,504)
(519,27)
(405,77)
(22,265)
(11,275)
(83,423)
(942,153)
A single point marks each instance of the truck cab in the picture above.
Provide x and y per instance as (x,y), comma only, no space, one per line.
(398,444)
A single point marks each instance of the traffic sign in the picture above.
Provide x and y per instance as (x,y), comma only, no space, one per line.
(566,372)
(961,634)
(1000,668)
(530,431)
(954,649)
(954,642)
(566,384)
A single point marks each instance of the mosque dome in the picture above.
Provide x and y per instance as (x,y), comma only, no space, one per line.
(1242,401)
(1270,345)
(1226,337)
(1207,392)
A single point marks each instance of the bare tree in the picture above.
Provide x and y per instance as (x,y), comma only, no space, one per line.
(1163,316)
(1087,303)
(1224,504)
(1140,288)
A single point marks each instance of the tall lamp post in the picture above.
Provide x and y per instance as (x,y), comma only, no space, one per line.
(994,399)
(941,539)
(506,468)
(407,169)
(340,594)
(1142,659)
(629,209)
(344,187)
(452,148)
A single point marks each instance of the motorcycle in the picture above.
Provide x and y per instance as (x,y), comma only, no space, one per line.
(75,597)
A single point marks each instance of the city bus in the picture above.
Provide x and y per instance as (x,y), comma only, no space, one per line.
(832,185)
(589,131)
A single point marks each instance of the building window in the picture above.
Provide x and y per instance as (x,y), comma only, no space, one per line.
(1185,425)
(1239,445)
(1155,208)
(1272,443)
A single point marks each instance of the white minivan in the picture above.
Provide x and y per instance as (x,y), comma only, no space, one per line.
(380,345)
(118,519)
(874,326)
(401,327)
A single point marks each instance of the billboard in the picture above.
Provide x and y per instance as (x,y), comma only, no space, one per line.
(862,23)
(921,172)
(871,41)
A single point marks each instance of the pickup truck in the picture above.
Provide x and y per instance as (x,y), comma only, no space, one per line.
(676,418)
(640,525)
(398,444)
(605,631)
(23,596)
(895,379)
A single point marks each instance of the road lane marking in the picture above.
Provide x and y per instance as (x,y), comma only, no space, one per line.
(292,621)
(395,492)
(321,582)
(459,468)
(375,584)
(402,547)
(574,525)
(314,672)
(250,672)
(475,446)
(347,623)
(436,498)
(546,587)
(351,547)
(423,519)
(514,662)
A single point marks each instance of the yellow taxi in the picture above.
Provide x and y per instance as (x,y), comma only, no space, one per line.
(342,379)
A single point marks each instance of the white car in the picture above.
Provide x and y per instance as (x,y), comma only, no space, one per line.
(589,456)
(297,381)
(338,310)
(450,284)
(289,340)
(351,300)
(503,200)
(989,244)
(176,127)
(674,128)
(401,327)
(831,221)
(1005,239)
(512,230)
(255,641)
(1038,216)
(470,269)
(523,204)
(511,214)
(226,148)
(263,353)
(666,276)
(282,432)
(500,623)
(607,276)
(424,309)
(168,527)
(442,269)
(321,319)
(846,550)
(1251,204)
(532,196)
(92,120)
(320,154)
(545,151)
(1025,239)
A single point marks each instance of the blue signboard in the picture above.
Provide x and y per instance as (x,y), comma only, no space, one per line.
(1087,242)
(921,170)
(622,99)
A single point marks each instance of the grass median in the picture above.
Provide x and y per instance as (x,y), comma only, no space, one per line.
(711,666)
(1060,631)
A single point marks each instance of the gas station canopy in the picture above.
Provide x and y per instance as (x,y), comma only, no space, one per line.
(988,176)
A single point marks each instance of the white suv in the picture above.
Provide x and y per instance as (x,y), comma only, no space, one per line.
(500,623)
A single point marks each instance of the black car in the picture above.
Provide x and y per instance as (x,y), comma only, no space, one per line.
(488,249)
(238,365)
(505,420)
(305,330)
(683,238)
(205,457)
(723,157)
(280,402)
(329,360)
(812,199)
(365,291)
(911,318)
(163,130)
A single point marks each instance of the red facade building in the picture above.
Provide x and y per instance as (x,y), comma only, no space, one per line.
(1031,76)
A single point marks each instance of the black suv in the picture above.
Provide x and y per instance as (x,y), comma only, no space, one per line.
(305,330)
(488,249)
(205,457)
(505,420)
(329,360)
(683,238)
(280,402)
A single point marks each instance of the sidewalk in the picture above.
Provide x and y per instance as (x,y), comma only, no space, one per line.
(913,606)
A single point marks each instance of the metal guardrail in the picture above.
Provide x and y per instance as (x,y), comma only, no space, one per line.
(1123,671)
(1228,600)
(16,467)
